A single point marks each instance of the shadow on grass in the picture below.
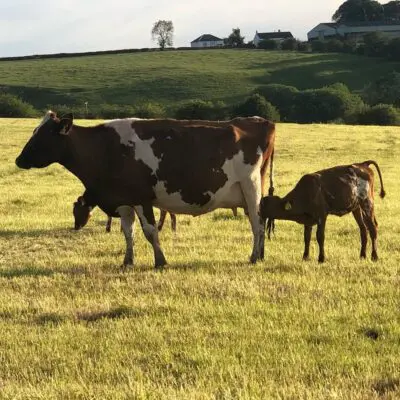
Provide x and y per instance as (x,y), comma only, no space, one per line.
(25,272)
(113,313)
(35,233)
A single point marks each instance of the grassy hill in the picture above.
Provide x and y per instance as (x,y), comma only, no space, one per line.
(210,326)
(171,77)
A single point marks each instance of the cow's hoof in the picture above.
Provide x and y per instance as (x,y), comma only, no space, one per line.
(306,258)
(321,260)
(374,257)
(126,267)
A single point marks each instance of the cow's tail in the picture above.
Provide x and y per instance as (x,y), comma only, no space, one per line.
(271,174)
(382,194)
(271,190)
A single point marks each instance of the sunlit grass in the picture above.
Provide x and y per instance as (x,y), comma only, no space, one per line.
(211,325)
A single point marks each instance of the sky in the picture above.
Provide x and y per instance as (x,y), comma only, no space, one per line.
(62,26)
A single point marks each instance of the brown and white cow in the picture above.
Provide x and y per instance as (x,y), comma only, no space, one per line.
(132,165)
(338,191)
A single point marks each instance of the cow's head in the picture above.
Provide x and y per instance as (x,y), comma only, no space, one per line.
(48,142)
(82,212)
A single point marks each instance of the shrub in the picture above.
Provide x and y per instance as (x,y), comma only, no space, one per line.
(325,105)
(393,49)
(303,46)
(334,46)
(281,96)
(386,89)
(201,109)
(318,46)
(257,105)
(13,107)
(148,110)
(375,44)
(289,44)
(381,114)
(268,44)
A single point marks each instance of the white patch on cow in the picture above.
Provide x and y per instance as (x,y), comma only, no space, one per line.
(47,117)
(362,189)
(228,196)
(129,137)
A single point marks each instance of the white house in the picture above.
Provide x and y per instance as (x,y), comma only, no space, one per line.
(207,40)
(277,36)
(327,30)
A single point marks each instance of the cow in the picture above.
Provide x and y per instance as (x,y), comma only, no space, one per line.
(84,205)
(338,190)
(130,165)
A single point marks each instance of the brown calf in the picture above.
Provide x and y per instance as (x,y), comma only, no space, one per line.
(83,208)
(338,191)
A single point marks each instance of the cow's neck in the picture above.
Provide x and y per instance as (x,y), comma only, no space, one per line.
(87,155)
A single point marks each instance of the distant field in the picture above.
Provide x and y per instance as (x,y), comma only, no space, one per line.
(210,326)
(172,77)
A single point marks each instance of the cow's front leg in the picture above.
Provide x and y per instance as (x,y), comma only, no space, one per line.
(148,222)
(127,214)
(251,189)
(321,239)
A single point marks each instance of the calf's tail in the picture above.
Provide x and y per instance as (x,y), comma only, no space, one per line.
(382,194)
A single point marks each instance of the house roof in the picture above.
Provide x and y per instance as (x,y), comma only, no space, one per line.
(359,23)
(274,35)
(206,38)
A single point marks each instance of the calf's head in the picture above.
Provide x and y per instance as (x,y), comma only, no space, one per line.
(47,143)
(82,212)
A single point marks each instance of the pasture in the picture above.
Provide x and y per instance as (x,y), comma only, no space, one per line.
(172,77)
(210,326)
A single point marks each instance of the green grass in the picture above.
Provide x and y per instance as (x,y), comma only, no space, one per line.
(172,77)
(210,326)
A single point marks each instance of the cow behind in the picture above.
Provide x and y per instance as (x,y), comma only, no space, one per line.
(338,191)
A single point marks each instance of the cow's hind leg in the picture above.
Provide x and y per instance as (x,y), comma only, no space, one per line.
(363,231)
(321,239)
(252,193)
(148,222)
(307,239)
(127,214)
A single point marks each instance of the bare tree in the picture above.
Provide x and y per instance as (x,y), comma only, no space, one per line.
(162,32)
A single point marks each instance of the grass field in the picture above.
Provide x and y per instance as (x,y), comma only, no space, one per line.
(169,78)
(210,326)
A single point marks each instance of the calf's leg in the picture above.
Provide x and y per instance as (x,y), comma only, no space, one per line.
(373,233)
(108,225)
(173,221)
(321,239)
(307,239)
(148,222)
(127,214)
(363,232)
(161,221)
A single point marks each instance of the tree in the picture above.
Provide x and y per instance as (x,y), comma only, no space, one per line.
(234,39)
(359,11)
(392,10)
(162,32)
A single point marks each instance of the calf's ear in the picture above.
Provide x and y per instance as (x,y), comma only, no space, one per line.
(66,123)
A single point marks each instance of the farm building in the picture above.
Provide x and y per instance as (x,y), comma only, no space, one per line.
(355,30)
(277,36)
(207,40)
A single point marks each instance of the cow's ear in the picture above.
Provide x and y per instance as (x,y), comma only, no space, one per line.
(66,123)
(288,206)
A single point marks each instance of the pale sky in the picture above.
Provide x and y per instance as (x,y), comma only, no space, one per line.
(54,26)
